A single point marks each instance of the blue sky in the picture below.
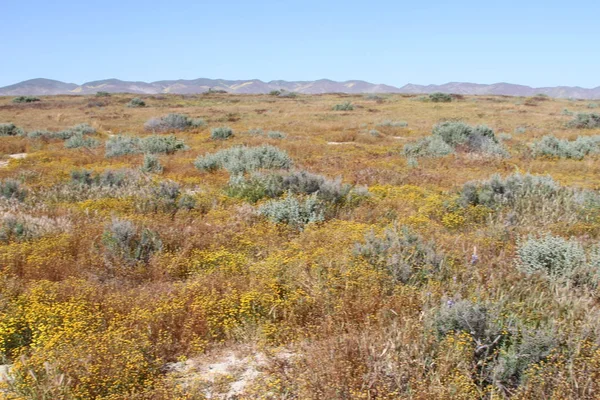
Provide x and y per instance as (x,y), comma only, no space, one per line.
(531,42)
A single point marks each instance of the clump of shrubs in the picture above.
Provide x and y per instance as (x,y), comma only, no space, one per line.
(388,123)
(238,160)
(439,97)
(401,253)
(78,141)
(258,186)
(8,129)
(289,95)
(498,192)
(269,134)
(102,94)
(125,145)
(136,102)
(450,136)
(520,130)
(345,106)
(294,211)
(108,179)
(22,227)
(25,99)
(585,121)
(172,122)
(77,130)
(12,189)
(221,133)
(151,164)
(124,241)
(550,146)
(553,256)
(504,352)
(430,146)
(560,260)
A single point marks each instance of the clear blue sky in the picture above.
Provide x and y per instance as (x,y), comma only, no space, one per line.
(531,42)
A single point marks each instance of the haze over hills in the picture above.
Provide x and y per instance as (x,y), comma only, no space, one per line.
(42,86)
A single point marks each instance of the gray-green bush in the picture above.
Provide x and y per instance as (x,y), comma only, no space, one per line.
(122,239)
(151,164)
(393,124)
(345,106)
(401,253)
(439,97)
(585,121)
(12,189)
(26,99)
(126,145)
(243,159)
(553,256)
(78,141)
(550,146)
(294,211)
(452,136)
(172,122)
(8,129)
(136,102)
(221,133)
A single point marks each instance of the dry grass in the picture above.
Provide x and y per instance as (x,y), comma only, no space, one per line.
(77,324)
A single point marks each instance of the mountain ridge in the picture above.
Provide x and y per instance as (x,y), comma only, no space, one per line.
(42,86)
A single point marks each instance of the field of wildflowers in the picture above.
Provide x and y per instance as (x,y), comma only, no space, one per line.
(444,257)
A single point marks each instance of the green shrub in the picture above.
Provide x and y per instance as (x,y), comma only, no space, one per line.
(123,240)
(151,164)
(221,133)
(162,144)
(550,146)
(553,256)
(122,145)
(172,122)
(25,99)
(457,135)
(293,211)
(401,253)
(289,95)
(440,97)
(592,105)
(585,121)
(567,112)
(125,145)
(526,349)
(108,178)
(345,106)
(76,130)
(430,146)
(102,94)
(276,135)
(274,92)
(10,130)
(12,189)
(464,316)
(136,102)
(497,192)
(78,141)
(520,130)
(243,159)
(393,124)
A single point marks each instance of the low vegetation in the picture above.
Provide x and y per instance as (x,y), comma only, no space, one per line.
(327,255)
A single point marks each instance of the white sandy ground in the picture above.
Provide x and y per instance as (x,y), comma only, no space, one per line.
(18,156)
(208,373)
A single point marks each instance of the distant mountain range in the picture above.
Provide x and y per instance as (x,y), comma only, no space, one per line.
(254,86)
